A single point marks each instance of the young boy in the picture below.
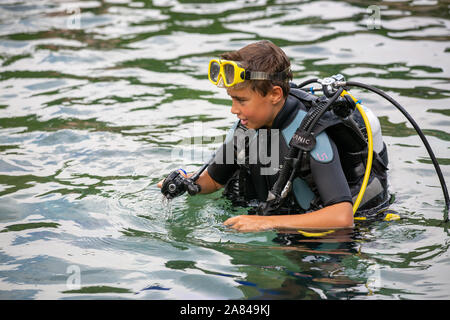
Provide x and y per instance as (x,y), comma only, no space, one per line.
(262,103)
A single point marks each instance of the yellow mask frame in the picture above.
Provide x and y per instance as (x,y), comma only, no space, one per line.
(230,73)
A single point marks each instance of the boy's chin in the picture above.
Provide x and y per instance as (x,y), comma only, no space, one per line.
(248,126)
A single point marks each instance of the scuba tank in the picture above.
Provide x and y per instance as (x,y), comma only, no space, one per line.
(378,143)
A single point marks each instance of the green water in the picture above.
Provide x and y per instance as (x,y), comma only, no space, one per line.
(99,100)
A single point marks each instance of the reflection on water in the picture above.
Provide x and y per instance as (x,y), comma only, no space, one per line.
(99,100)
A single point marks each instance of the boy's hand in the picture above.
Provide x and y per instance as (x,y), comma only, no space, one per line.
(252,223)
(159,185)
(175,184)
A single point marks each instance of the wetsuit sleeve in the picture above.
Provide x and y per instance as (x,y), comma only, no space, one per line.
(222,169)
(330,179)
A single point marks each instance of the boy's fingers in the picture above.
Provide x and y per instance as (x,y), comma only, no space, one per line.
(182,173)
(230,221)
(159,185)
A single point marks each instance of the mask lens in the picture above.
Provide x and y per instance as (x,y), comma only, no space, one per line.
(214,71)
(229,74)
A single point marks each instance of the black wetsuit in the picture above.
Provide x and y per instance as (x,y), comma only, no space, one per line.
(255,173)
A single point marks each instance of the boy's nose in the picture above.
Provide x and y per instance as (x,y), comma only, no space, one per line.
(234,108)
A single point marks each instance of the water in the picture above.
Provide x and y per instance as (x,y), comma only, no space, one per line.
(99,100)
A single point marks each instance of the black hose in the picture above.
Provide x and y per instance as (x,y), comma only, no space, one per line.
(305,83)
(419,132)
(202,168)
(323,110)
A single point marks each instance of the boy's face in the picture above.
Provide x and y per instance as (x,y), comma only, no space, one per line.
(254,110)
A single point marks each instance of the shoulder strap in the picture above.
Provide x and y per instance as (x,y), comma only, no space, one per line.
(305,97)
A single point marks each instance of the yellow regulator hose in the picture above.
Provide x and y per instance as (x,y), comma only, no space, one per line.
(369,154)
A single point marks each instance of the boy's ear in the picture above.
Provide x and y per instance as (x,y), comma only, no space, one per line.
(276,94)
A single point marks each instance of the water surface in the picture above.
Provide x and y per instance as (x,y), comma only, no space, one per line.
(99,100)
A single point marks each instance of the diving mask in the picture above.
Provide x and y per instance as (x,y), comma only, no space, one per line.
(229,73)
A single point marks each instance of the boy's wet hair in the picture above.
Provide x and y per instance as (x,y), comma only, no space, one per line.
(263,56)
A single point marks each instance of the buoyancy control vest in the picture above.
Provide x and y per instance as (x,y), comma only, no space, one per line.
(251,183)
